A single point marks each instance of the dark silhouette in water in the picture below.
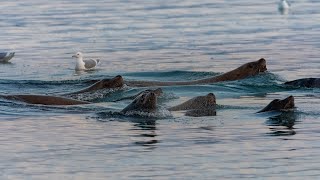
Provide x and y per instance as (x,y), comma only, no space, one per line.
(44,100)
(116,82)
(198,106)
(277,105)
(58,100)
(305,82)
(282,124)
(244,71)
(145,102)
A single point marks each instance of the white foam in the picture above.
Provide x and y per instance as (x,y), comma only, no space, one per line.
(159,113)
(98,94)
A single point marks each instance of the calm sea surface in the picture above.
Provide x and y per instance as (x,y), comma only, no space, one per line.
(159,40)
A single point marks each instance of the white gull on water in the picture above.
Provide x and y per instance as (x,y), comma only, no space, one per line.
(84,64)
(6,56)
(283,5)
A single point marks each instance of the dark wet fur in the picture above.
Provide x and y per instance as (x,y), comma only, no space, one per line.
(306,82)
(115,82)
(198,106)
(44,100)
(145,102)
(277,105)
(244,71)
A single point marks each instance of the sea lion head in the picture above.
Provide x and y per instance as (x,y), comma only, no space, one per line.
(157,91)
(277,104)
(247,70)
(203,106)
(288,103)
(256,67)
(145,102)
(203,102)
(198,106)
(112,83)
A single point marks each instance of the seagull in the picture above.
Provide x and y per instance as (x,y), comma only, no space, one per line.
(283,5)
(84,64)
(6,56)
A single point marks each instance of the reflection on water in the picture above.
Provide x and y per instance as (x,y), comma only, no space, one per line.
(146,124)
(284,11)
(149,133)
(282,125)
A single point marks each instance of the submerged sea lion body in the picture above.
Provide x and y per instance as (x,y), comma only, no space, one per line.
(244,71)
(44,100)
(277,105)
(115,82)
(305,82)
(198,106)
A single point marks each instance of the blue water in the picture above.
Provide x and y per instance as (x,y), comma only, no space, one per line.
(159,40)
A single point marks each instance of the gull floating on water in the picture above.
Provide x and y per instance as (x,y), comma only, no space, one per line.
(6,56)
(283,6)
(84,64)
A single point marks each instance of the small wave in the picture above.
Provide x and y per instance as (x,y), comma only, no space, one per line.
(167,96)
(40,82)
(128,94)
(173,75)
(84,81)
(261,79)
(160,113)
(90,96)
(219,106)
(262,83)
(111,114)
(310,113)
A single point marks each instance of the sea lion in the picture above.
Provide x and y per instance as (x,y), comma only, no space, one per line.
(198,106)
(277,105)
(244,71)
(116,82)
(56,100)
(44,100)
(305,82)
(145,102)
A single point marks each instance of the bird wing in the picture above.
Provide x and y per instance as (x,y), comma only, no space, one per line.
(3,55)
(90,63)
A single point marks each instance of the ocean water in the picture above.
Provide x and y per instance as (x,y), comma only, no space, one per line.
(159,40)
